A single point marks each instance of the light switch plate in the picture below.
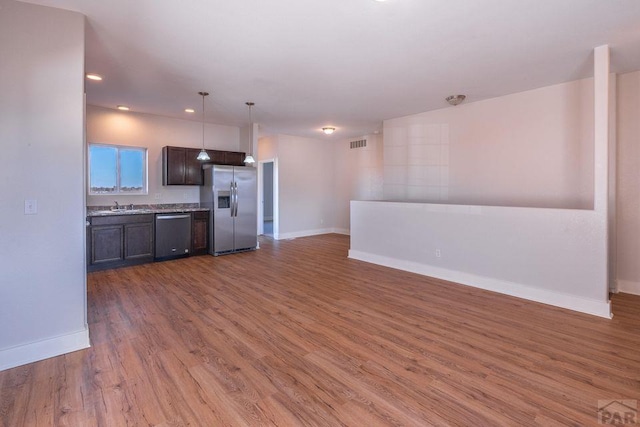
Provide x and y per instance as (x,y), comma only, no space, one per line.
(30,207)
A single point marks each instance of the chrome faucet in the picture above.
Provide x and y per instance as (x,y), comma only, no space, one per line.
(117,206)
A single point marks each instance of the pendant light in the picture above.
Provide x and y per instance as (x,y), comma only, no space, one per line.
(249,159)
(203,155)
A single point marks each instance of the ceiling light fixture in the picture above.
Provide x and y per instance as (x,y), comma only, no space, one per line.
(249,159)
(455,99)
(203,155)
(123,108)
(328,130)
(189,110)
(94,76)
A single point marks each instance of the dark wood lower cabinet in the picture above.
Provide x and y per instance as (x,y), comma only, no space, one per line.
(138,241)
(200,233)
(119,240)
(106,243)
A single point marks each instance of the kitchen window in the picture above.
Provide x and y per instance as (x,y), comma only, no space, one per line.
(115,169)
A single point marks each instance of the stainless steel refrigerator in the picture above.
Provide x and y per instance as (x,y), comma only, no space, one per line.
(230,192)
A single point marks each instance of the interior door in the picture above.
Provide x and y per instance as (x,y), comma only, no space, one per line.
(246,227)
(222,209)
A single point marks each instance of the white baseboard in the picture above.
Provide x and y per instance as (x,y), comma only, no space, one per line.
(628,287)
(344,231)
(571,302)
(40,350)
(305,233)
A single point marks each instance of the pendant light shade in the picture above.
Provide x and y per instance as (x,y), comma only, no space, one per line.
(203,155)
(249,158)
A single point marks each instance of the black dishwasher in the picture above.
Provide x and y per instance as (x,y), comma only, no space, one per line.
(173,235)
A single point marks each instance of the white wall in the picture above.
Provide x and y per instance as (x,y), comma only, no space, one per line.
(555,256)
(42,285)
(154,132)
(318,178)
(249,141)
(471,153)
(357,176)
(268,147)
(305,184)
(628,206)
(546,255)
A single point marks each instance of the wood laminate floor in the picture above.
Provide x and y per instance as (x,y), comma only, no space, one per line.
(297,334)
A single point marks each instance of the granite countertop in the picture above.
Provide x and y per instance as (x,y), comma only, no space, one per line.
(93,211)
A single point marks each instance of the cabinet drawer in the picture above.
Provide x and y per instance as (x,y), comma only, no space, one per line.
(201,215)
(121,219)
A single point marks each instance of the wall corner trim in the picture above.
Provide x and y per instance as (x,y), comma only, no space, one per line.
(571,302)
(44,349)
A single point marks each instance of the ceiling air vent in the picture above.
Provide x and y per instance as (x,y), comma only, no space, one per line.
(358,144)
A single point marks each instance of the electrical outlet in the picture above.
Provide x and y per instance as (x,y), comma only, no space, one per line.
(158,196)
(438,253)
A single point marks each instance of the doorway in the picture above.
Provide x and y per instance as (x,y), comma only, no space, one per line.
(268,198)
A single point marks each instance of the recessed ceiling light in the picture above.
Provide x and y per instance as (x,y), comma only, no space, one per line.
(93,76)
(123,108)
(328,130)
(189,110)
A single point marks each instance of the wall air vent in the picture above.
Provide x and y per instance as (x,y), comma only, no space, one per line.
(358,144)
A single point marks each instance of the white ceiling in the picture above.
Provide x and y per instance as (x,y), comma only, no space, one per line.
(346,63)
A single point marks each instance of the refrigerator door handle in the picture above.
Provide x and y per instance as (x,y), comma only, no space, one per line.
(231,199)
(235,187)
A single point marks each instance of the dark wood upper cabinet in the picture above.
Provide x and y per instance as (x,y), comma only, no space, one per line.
(173,165)
(181,167)
(193,167)
(217,157)
(234,158)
